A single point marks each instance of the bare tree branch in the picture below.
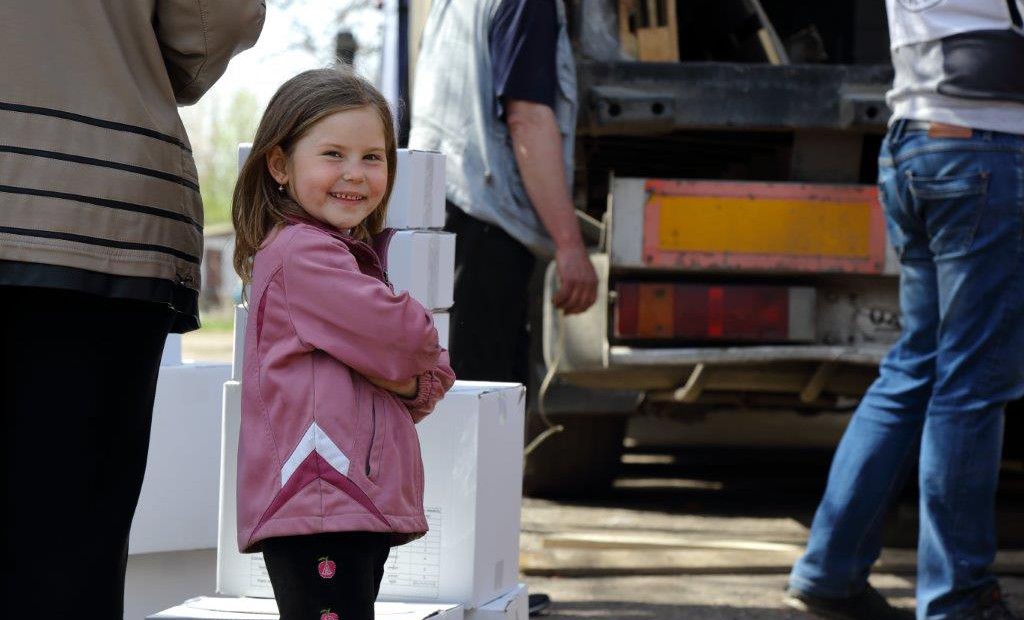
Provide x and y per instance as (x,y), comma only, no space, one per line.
(318,39)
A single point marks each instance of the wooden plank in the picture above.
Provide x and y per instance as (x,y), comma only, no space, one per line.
(658,540)
(774,50)
(657,561)
(591,562)
(642,35)
(658,39)
(627,37)
(657,45)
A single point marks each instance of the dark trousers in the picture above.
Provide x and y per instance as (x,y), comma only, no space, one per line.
(488,328)
(77,383)
(306,588)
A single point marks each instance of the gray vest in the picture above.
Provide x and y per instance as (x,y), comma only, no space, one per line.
(454,111)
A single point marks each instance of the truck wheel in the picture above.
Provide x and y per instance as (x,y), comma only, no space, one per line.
(581,460)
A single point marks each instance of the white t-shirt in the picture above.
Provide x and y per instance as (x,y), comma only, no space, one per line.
(959,62)
(916,21)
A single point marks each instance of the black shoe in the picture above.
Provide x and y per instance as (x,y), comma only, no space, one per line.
(991,606)
(538,603)
(868,605)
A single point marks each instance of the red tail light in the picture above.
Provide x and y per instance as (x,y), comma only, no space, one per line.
(700,312)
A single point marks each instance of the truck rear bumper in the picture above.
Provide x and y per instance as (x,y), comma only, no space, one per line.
(786,377)
(809,375)
(629,357)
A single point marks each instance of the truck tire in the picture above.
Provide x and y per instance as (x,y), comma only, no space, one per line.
(580,461)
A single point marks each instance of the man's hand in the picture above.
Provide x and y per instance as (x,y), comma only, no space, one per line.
(577,280)
(405,389)
(537,144)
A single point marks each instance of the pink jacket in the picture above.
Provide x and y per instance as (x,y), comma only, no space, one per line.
(322,449)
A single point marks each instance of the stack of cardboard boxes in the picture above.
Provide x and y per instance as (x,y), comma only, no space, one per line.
(421,256)
(472,448)
(467,566)
(469,560)
(178,495)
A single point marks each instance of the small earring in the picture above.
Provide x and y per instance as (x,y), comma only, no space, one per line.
(280,188)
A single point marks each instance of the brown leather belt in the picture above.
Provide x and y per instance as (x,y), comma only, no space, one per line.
(940,130)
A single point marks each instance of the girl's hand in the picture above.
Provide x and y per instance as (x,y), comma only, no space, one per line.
(406,389)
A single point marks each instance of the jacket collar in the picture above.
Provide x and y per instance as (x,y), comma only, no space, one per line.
(377,245)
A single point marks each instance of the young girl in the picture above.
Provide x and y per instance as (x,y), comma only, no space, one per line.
(337,366)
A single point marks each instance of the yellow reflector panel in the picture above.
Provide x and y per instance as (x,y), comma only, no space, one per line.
(764,226)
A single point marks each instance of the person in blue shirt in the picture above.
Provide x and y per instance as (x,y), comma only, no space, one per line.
(495,91)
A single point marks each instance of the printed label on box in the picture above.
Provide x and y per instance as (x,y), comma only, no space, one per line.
(413,571)
(258,575)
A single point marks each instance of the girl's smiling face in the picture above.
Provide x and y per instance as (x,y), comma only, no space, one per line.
(337,172)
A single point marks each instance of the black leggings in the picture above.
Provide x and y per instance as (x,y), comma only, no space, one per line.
(303,591)
(78,376)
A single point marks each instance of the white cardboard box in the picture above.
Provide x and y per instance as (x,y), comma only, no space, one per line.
(237,574)
(423,263)
(244,148)
(473,459)
(155,581)
(472,449)
(442,322)
(514,605)
(232,608)
(417,200)
(178,504)
(171,355)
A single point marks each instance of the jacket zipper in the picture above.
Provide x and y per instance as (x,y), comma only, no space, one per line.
(373,436)
(375,261)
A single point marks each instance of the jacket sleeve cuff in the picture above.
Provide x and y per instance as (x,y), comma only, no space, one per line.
(424,393)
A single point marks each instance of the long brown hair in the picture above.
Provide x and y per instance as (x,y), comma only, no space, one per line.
(257,206)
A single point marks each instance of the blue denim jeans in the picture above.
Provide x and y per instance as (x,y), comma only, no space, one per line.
(955,214)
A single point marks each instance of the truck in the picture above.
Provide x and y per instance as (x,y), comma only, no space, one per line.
(725,167)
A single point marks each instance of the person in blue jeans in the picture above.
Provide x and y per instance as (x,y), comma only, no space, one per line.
(951,180)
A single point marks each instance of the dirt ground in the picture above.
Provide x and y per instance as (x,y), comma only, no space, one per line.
(711,535)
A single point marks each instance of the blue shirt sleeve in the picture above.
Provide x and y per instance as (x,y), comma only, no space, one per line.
(524,38)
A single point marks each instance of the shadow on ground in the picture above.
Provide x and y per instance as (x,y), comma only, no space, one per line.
(771,484)
(627,611)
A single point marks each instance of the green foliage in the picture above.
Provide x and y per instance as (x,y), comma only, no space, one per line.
(215,129)
(218,321)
